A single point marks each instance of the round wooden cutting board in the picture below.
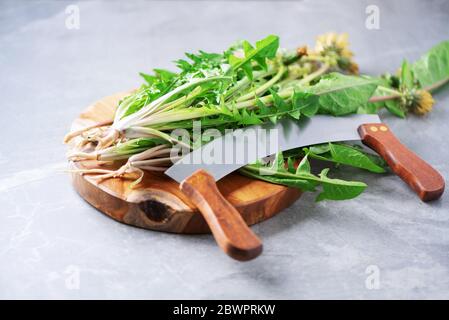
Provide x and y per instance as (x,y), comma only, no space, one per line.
(157,203)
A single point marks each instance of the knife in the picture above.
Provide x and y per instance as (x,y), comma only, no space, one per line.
(198,178)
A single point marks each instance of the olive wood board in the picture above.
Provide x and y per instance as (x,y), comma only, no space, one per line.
(157,203)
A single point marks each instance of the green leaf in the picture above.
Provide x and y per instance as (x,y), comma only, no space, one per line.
(336,189)
(291,165)
(306,103)
(433,67)
(164,75)
(148,78)
(279,103)
(248,69)
(286,179)
(249,118)
(370,108)
(183,65)
(407,79)
(333,189)
(265,49)
(295,114)
(346,154)
(319,148)
(304,165)
(273,119)
(278,163)
(351,156)
(235,61)
(394,107)
(263,109)
(341,94)
(247,48)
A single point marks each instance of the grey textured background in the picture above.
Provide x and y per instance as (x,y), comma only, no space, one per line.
(49,74)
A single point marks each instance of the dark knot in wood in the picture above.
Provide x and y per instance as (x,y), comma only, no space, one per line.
(155,210)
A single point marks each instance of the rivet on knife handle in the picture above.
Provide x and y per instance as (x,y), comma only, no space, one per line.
(227,225)
(418,174)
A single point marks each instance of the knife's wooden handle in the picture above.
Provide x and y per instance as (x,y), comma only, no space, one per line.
(227,225)
(418,174)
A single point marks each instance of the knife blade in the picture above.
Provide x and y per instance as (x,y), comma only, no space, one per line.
(290,134)
(198,178)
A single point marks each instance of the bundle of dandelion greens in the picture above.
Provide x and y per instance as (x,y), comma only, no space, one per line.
(247,85)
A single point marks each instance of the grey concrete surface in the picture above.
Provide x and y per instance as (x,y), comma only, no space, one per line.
(54,245)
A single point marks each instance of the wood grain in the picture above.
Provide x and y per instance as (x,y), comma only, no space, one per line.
(418,174)
(157,203)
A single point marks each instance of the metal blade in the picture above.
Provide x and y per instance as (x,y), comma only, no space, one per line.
(290,134)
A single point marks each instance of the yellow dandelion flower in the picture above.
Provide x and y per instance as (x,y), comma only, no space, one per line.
(423,103)
(336,48)
(334,42)
(324,41)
